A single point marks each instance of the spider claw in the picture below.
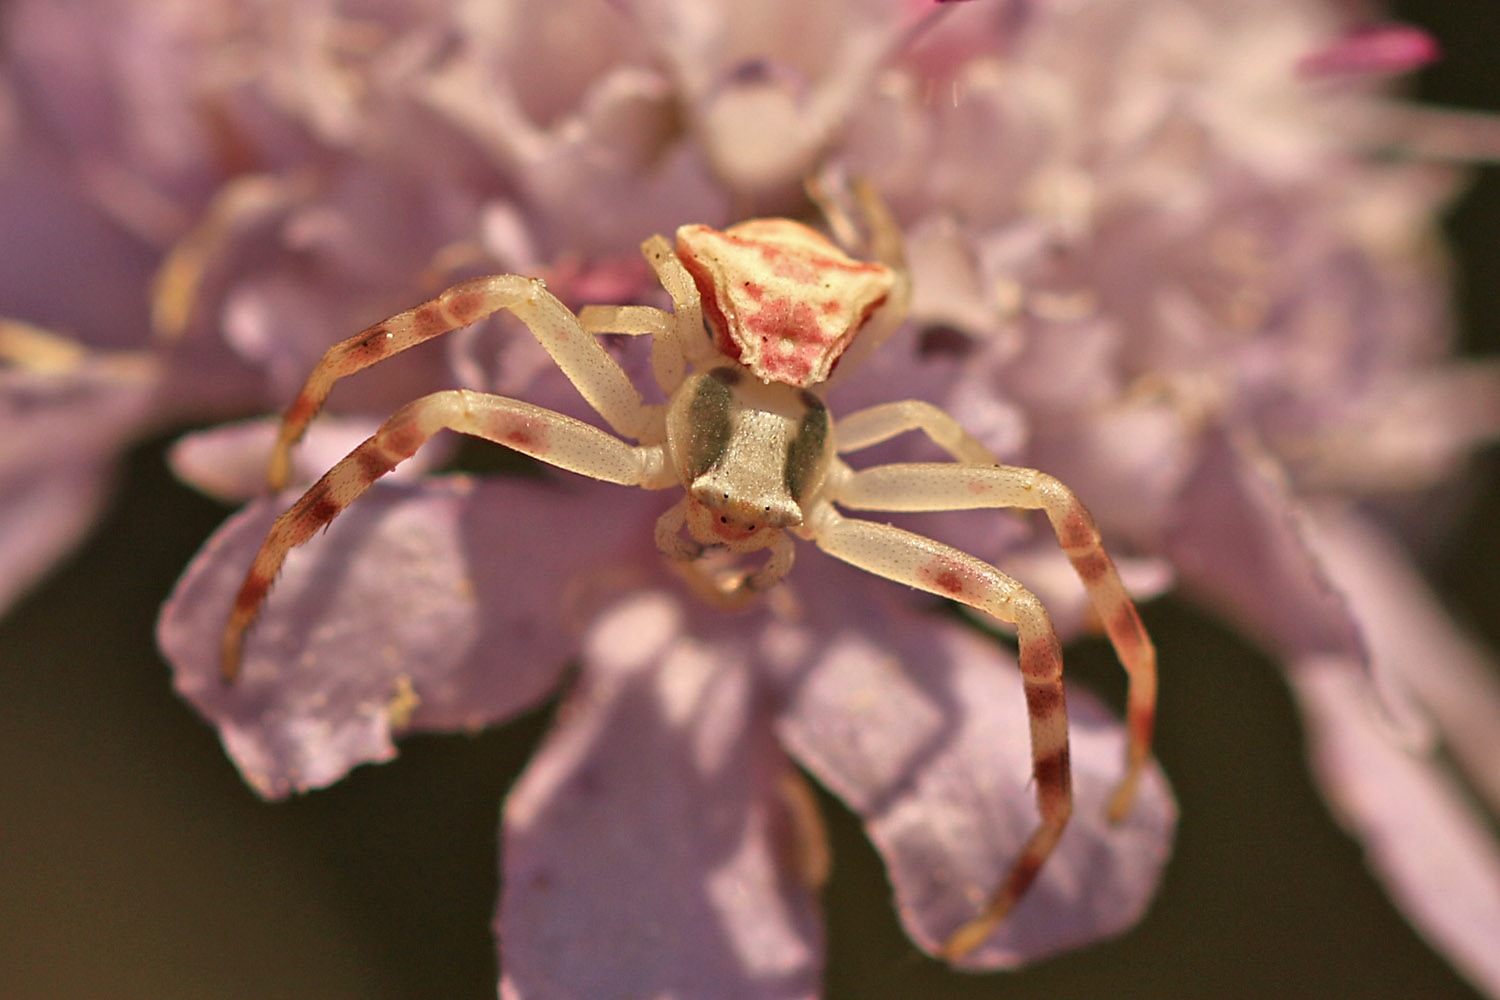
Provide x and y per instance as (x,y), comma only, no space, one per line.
(277,470)
(1123,797)
(969,936)
(229,659)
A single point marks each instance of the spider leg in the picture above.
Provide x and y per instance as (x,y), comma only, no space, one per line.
(939,569)
(532,430)
(875,424)
(884,243)
(667,364)
(687,306)
(582,359)
(882,238)
(247,199)
(932,486)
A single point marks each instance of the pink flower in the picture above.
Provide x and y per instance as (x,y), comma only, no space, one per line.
(1195,280)
(1207,297)
(915,722)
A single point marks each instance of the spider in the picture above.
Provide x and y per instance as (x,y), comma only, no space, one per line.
(746,435)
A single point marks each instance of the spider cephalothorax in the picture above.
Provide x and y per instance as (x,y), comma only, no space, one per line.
(747,438)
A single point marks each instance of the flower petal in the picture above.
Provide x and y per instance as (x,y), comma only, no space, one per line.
(920,726)
(644,845)
(1414,642)
(441,606)
(1367,647)
(1238,543)
(1437,857)
(47,512)
(1427,842)
(62,428)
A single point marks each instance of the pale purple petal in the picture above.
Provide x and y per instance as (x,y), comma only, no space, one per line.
(1368,648)
(921,727)
(445,606)
(1237,541)
(46,513)
(57,454)
(1127,462)
(1420,427)
(1438,859)
(1414,644)
(644,847)
(52,234)
(1435,850)
(228,462)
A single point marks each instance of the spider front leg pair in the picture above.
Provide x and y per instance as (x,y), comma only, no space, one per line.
(532,430)
(948,572)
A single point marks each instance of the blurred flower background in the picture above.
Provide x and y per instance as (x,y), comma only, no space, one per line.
(136,861)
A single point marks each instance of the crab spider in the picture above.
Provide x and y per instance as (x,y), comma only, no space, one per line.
(746,435)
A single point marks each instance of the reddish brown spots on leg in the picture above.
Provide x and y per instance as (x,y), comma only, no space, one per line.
(1142,722)
(514,430)
(1019,880)
(945,578)
(302,410)
(321,508)
(949,582)
(402,438)
(1054,778)
(427,320)
(1092,566)
(1041,660)
(371,346)
(252,592)
(1077,530)
(1043,699)
(1125,627)
(373,463)
(464,306)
